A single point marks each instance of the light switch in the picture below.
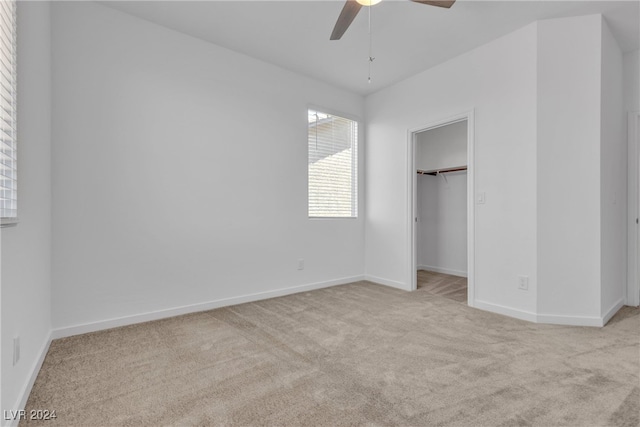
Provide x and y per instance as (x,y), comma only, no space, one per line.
(481,199)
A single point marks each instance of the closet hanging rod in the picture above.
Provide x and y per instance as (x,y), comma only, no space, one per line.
(438,171)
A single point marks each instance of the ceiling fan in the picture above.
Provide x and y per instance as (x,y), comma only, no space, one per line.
(352,7)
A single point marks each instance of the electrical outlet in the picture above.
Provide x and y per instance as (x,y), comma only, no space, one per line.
(300,264)
(16,350)
(523,283)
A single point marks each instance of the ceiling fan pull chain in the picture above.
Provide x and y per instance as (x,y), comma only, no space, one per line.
(371,58)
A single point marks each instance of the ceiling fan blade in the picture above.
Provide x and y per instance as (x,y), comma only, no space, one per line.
(349,12)
(439,3)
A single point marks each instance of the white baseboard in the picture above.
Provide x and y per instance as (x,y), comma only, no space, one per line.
(553,319)
(194,308)
(387,282)
(459,273)
(582,320)
(557,319)
(26,389)
(505,311)
(612,311)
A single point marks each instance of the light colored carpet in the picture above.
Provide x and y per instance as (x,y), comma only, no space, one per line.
(358,354)
(445,285)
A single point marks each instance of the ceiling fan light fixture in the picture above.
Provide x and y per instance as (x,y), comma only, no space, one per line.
(368,2)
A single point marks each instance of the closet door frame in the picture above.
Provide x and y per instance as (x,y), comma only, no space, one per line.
(412,184)
(632,296)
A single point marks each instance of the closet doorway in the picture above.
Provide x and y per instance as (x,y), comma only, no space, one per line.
(441,166)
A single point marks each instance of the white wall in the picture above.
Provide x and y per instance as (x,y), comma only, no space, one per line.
(568,157)
(179,172)
(442,147)
(631,76)
(613,185)
(442,223)
(498,80)
(548,157)
(26,248)
(631,89)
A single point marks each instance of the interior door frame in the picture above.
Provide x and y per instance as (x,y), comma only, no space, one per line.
(412,184)
(632,296)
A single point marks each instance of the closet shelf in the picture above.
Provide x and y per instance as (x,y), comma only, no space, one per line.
(439,171)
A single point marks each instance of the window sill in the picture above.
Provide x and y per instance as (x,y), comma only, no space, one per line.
(332,217)
(8,222)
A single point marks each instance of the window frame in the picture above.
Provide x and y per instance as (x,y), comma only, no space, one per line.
(13,220)
(355,159)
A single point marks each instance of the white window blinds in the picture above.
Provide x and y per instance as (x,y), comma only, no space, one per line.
(333,166)
(8,167)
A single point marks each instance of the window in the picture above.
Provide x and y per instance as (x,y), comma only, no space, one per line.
(8,166)
(333,166)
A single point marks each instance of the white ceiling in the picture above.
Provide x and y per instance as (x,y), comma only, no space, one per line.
(407,37)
